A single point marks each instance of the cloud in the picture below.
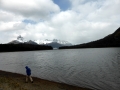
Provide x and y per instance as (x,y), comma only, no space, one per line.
(11,26)
(107,13)
(34,9)
(84,21)
(7,16)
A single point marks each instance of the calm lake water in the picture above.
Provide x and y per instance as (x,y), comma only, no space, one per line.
(95,68)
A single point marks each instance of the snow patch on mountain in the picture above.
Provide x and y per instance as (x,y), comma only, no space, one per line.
(55,43)
(47,41)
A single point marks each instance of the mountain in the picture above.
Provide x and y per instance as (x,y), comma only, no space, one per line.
(20,42)
(54,40)
(55,43)
(15,42)
(112,40)
(31,42)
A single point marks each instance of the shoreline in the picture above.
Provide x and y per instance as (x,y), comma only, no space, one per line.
(15,81)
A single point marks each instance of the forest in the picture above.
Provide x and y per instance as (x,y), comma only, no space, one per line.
(22,47)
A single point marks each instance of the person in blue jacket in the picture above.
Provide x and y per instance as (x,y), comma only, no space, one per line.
(28,72)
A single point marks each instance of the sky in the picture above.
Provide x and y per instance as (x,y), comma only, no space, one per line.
(75,21)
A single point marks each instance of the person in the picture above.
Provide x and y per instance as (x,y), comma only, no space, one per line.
(28,72)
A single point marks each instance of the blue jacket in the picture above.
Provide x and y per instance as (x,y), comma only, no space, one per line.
(28,70)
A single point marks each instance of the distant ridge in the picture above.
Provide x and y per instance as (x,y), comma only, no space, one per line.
(14,42)
(112,40)
(31,42)
(55,43)
(18,42)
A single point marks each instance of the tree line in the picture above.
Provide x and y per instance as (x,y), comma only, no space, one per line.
(22,47)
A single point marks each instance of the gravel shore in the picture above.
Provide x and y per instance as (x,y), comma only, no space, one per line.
(14,81)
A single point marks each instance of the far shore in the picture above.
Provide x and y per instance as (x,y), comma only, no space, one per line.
(14,81)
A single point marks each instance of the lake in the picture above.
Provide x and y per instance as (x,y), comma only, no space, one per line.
(95,68)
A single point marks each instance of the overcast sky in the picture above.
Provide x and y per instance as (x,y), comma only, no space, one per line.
(75,21)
